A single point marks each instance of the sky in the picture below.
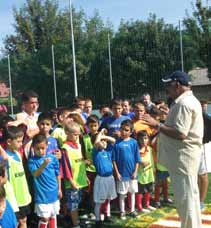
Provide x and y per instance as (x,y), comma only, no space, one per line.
(171,10)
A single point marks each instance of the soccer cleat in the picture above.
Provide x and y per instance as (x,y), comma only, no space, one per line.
(151,208)
(123,216)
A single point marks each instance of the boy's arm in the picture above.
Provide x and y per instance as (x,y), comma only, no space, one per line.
(134,175)
(118,175)
(38,171)
(59,186)
(3,153)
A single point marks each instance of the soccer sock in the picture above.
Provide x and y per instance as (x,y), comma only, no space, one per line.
(42,224)
(157,192)
(147,199)
(129,200)
(122,203)
(105,207)
(97,211)
(108,214)
(139,201)
(132,202)
(53,222)
(165,189)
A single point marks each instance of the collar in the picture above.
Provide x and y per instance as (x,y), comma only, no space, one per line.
(183,95)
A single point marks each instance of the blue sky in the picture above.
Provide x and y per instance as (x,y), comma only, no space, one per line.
(171,10)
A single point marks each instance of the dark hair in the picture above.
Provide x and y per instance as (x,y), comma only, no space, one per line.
(13,132)
(2,168)
(4,119)
(127,123)
(45,116)
(116,101)
(203,102)
(92,119)
(141,134)
(77,99)
(2,192)
(39,138)
(28,94)
(62,110)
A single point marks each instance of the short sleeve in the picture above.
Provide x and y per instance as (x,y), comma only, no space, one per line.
(183,119)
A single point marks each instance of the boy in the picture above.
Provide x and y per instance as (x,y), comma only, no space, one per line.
(7,216)
(45,124)
(145,173)
(126,159)
(104,185)
(126,108)
(87,149)
(47,185)
(10,196)
(74,170)
(112,124)
(16,173)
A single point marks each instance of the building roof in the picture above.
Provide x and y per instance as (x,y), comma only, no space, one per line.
(199,77)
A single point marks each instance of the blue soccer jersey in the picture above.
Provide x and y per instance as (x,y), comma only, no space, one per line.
(113,124)
(53,145)
(102,162)
(126,155)
(8,219)
(45,185)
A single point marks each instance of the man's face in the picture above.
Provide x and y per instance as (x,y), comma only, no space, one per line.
(146,99)
(31,106)
(172,89)
(126,107)
(81,104)
(88,107)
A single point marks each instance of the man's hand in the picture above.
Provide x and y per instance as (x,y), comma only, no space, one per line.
(150,121)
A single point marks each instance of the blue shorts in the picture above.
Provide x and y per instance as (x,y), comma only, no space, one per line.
(161,175)
(73,198)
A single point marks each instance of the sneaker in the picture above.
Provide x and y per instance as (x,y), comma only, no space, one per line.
(151,208)
(123,216)
(144,210)
(133,214)
(85,216)
(157,204)
(109,219)
(92,216)
(168,201)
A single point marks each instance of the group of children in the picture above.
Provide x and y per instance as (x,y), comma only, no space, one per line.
(76,159)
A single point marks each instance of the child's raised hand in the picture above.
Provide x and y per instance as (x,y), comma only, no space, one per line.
(47,160)
(104,131)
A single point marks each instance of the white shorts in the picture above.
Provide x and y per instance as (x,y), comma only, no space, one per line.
(123,187)
(204,166)
(47,210)
(104,188)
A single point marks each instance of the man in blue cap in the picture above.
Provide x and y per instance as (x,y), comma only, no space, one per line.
(180,146)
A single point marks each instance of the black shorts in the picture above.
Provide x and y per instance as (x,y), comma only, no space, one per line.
(23,212)
(143,188)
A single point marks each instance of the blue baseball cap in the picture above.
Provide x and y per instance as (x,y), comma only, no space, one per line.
(179,76)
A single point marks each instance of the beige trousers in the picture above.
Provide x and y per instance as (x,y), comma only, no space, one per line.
(187,202)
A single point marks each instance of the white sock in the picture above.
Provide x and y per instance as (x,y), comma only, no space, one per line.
(132,202)
(97,211)
(122,202)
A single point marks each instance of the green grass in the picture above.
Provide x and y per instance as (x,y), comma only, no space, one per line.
(144,220)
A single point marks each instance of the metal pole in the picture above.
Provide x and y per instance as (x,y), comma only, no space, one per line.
(110,67)
(73,49)
(10,84)
(54,76)
(181,47)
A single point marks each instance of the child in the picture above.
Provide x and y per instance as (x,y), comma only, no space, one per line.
(74,170)
(16,173)
(10,196)
(112,124)
(126,159)
(126,106)
(47,185)
(45,124)
(104,185)
(139,124)
(145,172)
(7,216)
(87,149)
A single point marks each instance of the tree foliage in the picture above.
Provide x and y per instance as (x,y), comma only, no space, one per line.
(142,52)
